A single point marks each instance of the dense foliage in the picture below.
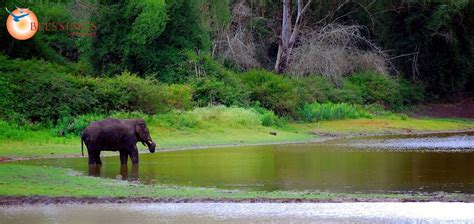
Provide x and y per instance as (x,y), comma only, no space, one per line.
(42,92)
(153,37)
(38,91)
(157,56)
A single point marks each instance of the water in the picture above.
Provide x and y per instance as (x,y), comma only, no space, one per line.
(428,163)
(241,213)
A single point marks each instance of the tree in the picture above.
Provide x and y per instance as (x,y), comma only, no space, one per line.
(289,32)
(148,37)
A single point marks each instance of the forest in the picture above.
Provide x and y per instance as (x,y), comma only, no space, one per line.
(301,61)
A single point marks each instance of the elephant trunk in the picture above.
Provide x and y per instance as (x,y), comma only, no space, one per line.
(151,145)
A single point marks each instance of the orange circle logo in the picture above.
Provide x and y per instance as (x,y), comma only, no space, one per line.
(22,23)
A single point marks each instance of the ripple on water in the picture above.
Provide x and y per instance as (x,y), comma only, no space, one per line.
(457,143)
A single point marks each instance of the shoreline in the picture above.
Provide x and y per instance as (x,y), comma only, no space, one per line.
(319,138)
(34,200)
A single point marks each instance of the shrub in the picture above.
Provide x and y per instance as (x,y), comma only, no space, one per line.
(231,116)
(272,91)
(330,111)
(43,97)
(176,119)
(75,125)
(268,117)
(214,91)
(374,88)
(40,92)
(178,96)
(131,93)
(314,88)
(213,84)
(11,131)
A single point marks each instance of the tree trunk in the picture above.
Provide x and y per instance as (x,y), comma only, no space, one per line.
(289,32)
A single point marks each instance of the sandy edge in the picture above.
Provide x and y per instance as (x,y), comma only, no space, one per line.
(31,200)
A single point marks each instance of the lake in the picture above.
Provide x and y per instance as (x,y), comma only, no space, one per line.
(388,164)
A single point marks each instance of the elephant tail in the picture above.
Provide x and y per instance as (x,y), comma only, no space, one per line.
(82,145)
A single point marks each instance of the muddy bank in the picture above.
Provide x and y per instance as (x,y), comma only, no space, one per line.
(29,200)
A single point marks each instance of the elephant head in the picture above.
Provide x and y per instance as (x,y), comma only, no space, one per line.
(143,135)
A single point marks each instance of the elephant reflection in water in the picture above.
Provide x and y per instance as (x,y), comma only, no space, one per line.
(95,171)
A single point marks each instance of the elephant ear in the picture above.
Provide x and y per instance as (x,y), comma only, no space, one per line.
(140,131)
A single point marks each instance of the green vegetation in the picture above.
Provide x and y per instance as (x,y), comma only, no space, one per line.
(29,85)
(392,124)
(331,111)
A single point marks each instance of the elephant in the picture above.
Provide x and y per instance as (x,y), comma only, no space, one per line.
(116,135)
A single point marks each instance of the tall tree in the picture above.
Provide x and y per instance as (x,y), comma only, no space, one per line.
(289,32)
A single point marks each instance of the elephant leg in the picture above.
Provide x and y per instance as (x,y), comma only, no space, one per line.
(91,154)
(123,157)
(94,170)
(91,160)
(97,158)
(134,155)
(134,175)
(124,171)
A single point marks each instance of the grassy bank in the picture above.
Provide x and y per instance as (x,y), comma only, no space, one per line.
(217,126)
(21,180)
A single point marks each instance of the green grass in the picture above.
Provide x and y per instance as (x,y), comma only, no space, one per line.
(392,124)
(332,111)
(23,180)
(215,126)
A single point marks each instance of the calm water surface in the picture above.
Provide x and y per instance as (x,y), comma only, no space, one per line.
(426,163)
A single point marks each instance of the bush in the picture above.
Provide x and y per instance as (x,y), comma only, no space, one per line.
(40,92)
(131,93)
(214,91)
(213,84)
(12,131)
(42,98)
(330,111)
(268,117)
(272,91)
(176,119)
(315,88)
(75,125)
(374,88)
(231,116)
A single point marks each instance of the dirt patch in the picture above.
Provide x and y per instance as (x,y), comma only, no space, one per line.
(463,109)
(26,200)
(4,159)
